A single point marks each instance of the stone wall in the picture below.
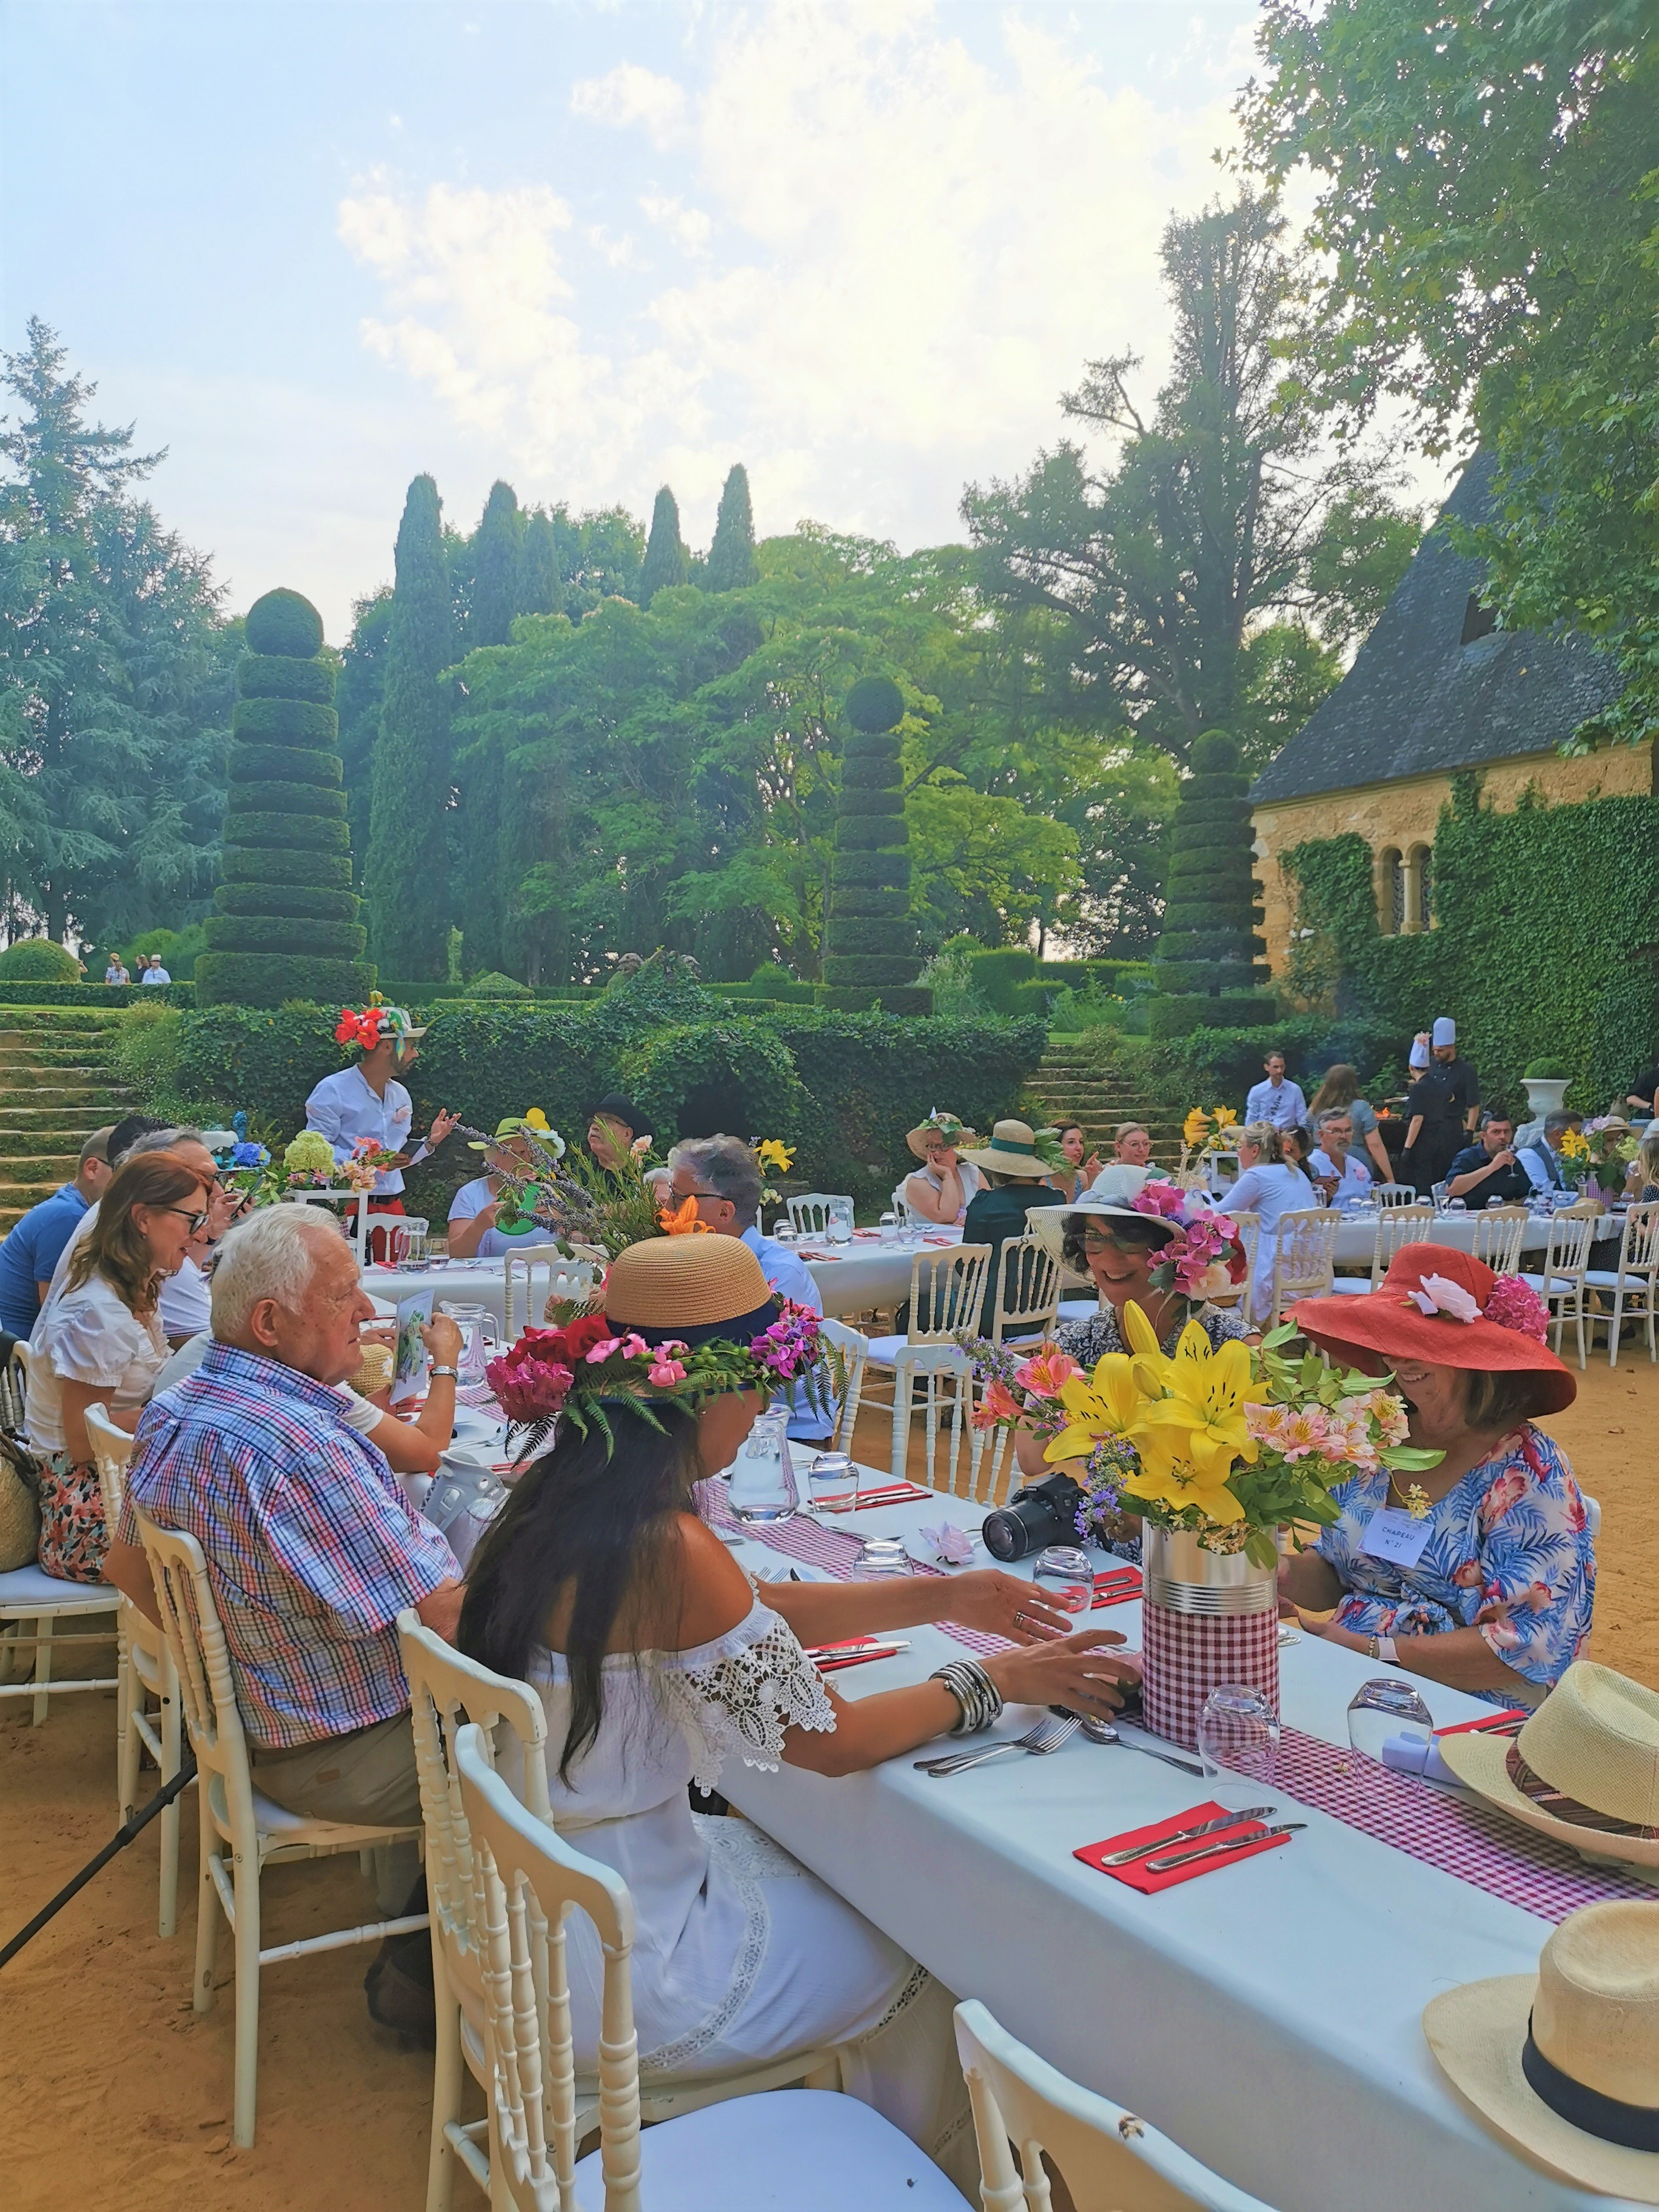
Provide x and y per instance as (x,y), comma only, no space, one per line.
(1401,818)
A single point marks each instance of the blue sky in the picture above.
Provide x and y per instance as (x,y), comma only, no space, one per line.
(313,249)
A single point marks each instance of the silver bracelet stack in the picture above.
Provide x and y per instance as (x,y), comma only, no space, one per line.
(974,1691)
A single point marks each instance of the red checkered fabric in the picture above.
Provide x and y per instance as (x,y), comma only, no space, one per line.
(1472,1840)
(1185,1656)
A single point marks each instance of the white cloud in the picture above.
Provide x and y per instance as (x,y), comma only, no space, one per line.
(912,250)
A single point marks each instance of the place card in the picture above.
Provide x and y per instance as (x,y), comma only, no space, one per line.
(1135,1874)
(1394,1534)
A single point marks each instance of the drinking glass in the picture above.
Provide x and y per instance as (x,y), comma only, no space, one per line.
(881,1559)
(1382,1707)
(1065,1573)
(832,1483)
(889,1225)
(841,1221)
(763,1483)
(1437,1191)
(1238,1743)
(785,1231)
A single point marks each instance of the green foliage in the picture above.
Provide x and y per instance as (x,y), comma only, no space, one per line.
(284,624)
(666,562)
(39,960)
(254,864)
(300,722)
(363,681)
(482,884)
(268,676)
(1206,973)
(289,765)
(96,995)
(180,949)
(286,832)
(538,568)
(1548,1070)
(328,940)
(298,900)
(1170,1017)
(255,979)
(700,1079)
(875,703)
(494,985)
(731,563)
(872,938)
(300,795)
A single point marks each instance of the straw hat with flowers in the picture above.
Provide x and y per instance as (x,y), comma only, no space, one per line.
(1016,1150)
(949,1129)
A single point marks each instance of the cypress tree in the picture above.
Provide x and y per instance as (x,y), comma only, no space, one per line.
(872,959)
(408,838)
(1205,968)
(731,563)
(497,553)
(539,590)
(495,557)
(666,559)
(286,925)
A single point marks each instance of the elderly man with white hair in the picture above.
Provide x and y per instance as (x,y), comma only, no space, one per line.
(312,1549)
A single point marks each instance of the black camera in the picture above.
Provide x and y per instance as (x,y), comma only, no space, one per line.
(1044,1513)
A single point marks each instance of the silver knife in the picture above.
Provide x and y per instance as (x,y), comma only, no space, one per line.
(1215,1851)
(1186,1835)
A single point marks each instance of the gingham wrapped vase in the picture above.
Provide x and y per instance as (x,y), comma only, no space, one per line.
(1207,1617)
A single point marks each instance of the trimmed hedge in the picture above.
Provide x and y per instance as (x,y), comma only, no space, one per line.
(304,833)
(94,994)
(295,899)
(280,764)
(252,979)
(299,722)
(272,676)
(323,940)
(1180,1017)
(320,871)
(326,802)
(284,621)
(1204,970)
(870,940)
(39,960)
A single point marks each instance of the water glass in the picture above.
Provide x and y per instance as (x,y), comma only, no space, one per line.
(1437,1191)
(1065,1574)
(1238,1743)
(1384,1707)
(880,1559)
(841,1221)
(763,1483)
(888,1226)
(832,1483)
(406,1243)
(785,1231)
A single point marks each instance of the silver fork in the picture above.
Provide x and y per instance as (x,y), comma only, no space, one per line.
(1048,1735)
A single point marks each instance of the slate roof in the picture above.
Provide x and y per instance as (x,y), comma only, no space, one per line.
(1418,700)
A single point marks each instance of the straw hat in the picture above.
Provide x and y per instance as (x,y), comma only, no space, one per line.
(1563,2064)
(938,1124)
(1011,1151)
(1052,1224)
(1390,1320)
(1593,1743)
(690,1287)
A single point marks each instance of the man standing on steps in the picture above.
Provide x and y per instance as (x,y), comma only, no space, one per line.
(31,1250)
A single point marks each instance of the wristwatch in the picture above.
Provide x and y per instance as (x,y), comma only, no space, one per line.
(452,1372)
(1381,1647)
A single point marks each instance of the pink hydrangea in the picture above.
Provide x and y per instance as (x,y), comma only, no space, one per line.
(1515,1305)
(529,1389)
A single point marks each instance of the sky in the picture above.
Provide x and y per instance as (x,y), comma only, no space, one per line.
(313,250)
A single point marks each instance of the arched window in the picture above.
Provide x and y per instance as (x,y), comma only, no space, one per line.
(1395,880)
(1420,881)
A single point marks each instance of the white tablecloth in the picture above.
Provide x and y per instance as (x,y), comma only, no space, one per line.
(1266,2016)
(1356,1240)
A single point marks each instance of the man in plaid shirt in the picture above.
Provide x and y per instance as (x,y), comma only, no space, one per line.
(312,1550)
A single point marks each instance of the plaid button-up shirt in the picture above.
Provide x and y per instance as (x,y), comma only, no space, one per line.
(312,1549)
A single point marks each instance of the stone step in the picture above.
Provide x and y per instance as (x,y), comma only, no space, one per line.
(17,1145)
(83,1117)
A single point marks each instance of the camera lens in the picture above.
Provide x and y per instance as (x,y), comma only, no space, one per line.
(1045,1514)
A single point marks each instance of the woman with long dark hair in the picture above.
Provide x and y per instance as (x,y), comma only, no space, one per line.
(658,1659)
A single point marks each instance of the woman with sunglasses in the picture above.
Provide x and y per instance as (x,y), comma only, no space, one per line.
(100,1339)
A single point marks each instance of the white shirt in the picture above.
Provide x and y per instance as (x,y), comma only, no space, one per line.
(155,976)
(186,1303)
(343,1107)
(1353,1177)
(82,1228)
(1281,1103)
(88,1335)
(471,1199)
(116,975)
(968,1176)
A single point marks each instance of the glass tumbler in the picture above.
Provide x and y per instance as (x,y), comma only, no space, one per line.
(1065,1574)
(763,1484)
(881,1559)
(832,1483)
(1384,1707)
(841,1221)
(1238,1743)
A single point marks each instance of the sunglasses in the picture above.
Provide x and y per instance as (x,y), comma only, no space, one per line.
(1103,1240)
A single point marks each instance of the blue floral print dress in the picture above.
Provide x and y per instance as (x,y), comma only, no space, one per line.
(1509,1553)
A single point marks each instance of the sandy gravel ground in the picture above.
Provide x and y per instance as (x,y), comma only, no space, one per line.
(117,2098)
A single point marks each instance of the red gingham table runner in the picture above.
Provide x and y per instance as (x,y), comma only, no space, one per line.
(1466,1837)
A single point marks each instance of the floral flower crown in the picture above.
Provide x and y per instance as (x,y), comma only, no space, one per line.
(1202,1257)
(365,1028)
(577,1372)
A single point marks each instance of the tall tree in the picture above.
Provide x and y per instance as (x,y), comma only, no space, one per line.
(115,675)
(359,701)
(1487,175)
(408,840)
(497,554)
(731,563)
(538,567)
(666,560)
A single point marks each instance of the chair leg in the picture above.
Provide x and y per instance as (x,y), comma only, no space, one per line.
(247,2001)
(171,1757)
(208,1908)
(448,2082)
(1614,1324)
(129,1699)
(43,1628)
(898,1457)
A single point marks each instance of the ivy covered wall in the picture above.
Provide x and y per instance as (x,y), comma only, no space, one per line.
(1546,942)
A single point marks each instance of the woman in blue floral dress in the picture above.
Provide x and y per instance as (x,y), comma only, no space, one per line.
(1497,1599)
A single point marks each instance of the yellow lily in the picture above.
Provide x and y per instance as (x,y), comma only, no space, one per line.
(1154,1365)
(1205,1410)
(1105,1404)
(772,1152)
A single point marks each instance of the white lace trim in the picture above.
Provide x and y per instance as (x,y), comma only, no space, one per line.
(749,1859)
(743,1701)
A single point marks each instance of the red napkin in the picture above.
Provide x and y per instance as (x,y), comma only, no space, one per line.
(845,1659)
(1135,1875)
(1487,1723)
(893,1493)
(1116,1589)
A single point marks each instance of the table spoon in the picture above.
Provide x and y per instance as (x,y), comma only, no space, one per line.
(1103,1732)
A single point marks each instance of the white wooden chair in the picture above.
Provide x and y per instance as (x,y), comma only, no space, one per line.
(1112,2162)
(146,1671)
(1498,1233)
(906,1214)
(853,1347)
(1304,1264)
(817,2152)
(947,1287)
(1249,1226)
(809,1214)
(235,1817)
(1399,1226)
(1634,1282)
(526,1286)
(1566,1263)
(1388,1195)
(32,1600)
(1028,1291)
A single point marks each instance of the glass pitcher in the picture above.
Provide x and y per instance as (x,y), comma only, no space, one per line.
(763,1479)
(480,1340)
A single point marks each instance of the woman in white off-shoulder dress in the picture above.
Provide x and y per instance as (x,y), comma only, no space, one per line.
(660,1662)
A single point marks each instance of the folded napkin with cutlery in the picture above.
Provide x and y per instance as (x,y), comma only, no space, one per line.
(1238,1836)
(855,1651)
(1508,1722)
(1116,1586)
(891,1493)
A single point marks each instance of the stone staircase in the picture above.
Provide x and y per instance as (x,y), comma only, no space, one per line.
(55,1089)
(1069,1085)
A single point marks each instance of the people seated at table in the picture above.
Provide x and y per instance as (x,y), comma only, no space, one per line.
(99,1339)
(1490,1170)
(940,1189)
(1542,1158)
(614,1127)
(1297,1144)
(1342,1175)
(658,1661)
(183,1303)
(312,1550)
(1276,1099)
(1082,1166)
(1017,1182)
(1434,1120)
(29,1251)
(1497,1599)
(472,1210)
(1341,1088)
(1119,1247)
(1131,1145)
(1268,1186)
(368,1101)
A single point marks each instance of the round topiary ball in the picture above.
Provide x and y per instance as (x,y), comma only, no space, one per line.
(874,704)
(492,984)
(1214,753)
(283,622)
(39,960)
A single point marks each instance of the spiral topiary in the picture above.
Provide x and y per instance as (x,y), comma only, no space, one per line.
(286,921)
(872,957)
(1206,970)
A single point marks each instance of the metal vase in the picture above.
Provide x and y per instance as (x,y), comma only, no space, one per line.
(1206,1618)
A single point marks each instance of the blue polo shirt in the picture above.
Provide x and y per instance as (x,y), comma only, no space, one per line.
(30,1251)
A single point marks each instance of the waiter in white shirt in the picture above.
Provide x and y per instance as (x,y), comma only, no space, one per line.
(1276,1100)
(366,1100)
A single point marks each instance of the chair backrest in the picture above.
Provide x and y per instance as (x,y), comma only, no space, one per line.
(1399,1226)
(526,1878)
(1112,2162)
(1221,1169)
(1395,1194)
(853,1347)
(111,1448)
(201,1659)
(1305,1266)
(809,1214)
(1573,1229)
(1249,1226)
(1028,1288)
(1639,1247)
(906,1213)
(947,1291)
(524,1275)
(15,1389)
(1497,1235)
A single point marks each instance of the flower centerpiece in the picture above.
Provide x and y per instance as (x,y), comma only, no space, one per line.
(771,1152)
(1574,1158)
(308,1162)
(365,1165)
(1209,1132)
(1216,1448)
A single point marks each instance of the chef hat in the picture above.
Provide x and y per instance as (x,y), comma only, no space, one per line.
(1419,1056)
(1445,1030)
